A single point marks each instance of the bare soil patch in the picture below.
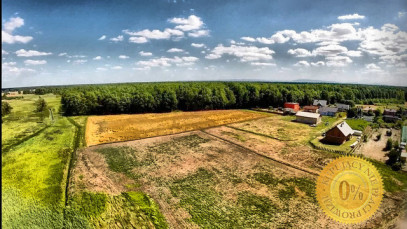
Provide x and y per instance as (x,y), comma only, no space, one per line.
(374,149)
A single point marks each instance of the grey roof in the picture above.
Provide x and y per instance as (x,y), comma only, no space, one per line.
(307,114)
(328,109)
(342,106)
(345,128)
(321,102)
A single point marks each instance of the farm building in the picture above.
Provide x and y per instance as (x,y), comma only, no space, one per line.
(390,112)
(12,93)
(293,106)
(320,103)
(312,109)
(342,107)
(328,111)
(403,140)
(339,134)
(308,118)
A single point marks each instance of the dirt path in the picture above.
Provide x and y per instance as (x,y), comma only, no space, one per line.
(374,149)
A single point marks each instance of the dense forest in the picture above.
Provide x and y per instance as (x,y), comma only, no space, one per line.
(189,96)
(162,97)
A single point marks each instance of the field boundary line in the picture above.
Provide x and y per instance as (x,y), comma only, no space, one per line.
(260,134)
(264,156)
(8,148)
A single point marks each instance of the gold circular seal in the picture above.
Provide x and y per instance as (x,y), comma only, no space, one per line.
(349,189)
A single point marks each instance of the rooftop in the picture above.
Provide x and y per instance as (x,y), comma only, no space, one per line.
(345,128)
(308,114)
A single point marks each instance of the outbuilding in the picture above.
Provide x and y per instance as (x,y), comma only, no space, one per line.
(320,103)
(294,106)
(312,109)
(342,107)
(308,117)
(339,134)
(328,111)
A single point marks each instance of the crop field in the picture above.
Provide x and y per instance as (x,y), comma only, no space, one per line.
(116,128)
(241,175)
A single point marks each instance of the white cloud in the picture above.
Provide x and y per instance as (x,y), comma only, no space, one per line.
(138,40)
(199,33)
(198,45)
(302,63)
(4,52)
(300,52)
(101,69)
(63,54)
(249,39)
(351,17)
(11,39)
(167,62)
(318,64)
(30,53)
(338,61)
(142,53)
(329,50)
(401,14)
(10,69)
(175,50)
(187,24)
(35,62)
(123,57)
(244,53)
(97,58)
(117,67)
(372,67)
(81,61)
(262,64)
(155,34)
(9,27)
(117,39)
(103,37)
(353,53)
(13,23)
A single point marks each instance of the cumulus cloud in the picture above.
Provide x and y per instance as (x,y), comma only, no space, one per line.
(30,53)
(167,62)
(302,63)
(351,17)
(199,33)
(10,69)
(317,64)
(138,40)
(249,39)
(262,64)
(142,53)
(4,52)
(8,29)
(101,69)
(117,67)
(103,37)
(244,53)
(300,52)
(35,62)
(97,58)
(196,45)
(123,57)
(175,50)
(80,61)
(338,61)
(187,24)
(117,39)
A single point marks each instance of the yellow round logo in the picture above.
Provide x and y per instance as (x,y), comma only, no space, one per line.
(349,189)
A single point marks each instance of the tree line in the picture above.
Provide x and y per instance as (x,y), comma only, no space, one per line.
(191,96)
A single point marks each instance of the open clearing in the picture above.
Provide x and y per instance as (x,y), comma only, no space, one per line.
(251,174)
(375,149)
(117,128)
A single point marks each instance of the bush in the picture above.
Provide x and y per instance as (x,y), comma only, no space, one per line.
(378,137)
(389,144)
(40,105)
(396,166)
(5,108)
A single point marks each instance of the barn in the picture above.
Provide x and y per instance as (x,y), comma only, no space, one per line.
(308,118)
(339,134)
(294,106)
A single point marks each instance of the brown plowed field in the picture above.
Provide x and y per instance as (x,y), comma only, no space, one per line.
(118,128)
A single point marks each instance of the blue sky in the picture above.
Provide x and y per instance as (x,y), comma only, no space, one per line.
(81,42)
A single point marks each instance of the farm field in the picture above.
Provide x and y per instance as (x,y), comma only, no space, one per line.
(116,128)
(229,176)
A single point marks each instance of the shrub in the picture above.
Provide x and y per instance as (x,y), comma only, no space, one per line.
(389,144)
(5,108)
(40,105)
